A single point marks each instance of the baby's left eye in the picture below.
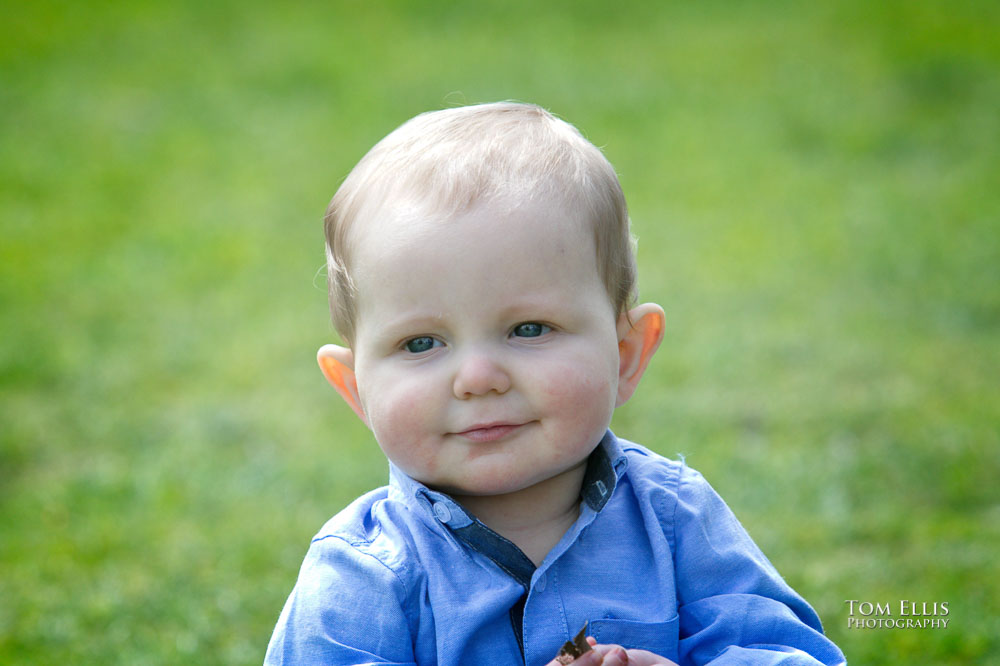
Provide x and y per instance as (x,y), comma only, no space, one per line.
(531,330)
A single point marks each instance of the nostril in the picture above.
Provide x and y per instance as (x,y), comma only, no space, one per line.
(478,376)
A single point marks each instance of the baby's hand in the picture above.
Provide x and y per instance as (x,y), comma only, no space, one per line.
(616,655)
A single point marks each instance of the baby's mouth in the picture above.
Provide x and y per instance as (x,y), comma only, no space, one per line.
(490,432)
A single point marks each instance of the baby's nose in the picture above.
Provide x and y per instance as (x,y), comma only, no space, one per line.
(479,374)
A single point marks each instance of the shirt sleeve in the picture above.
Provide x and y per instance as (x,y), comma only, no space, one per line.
(733,605)
(347,607)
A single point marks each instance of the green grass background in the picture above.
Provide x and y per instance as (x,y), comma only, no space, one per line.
(815,187)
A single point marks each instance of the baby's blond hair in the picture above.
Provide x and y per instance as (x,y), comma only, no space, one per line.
(443,163)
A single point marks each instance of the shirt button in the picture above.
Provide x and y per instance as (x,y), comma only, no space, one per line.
(540,583)
(442,512)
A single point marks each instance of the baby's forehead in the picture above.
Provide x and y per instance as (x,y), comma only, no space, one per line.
(410,224)
(491,241)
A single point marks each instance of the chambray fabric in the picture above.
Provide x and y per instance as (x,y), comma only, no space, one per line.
(656,560)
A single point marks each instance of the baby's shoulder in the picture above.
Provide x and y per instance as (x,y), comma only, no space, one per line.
(668,481)
(359,522)
(646,467)
(354,576)
(372,532)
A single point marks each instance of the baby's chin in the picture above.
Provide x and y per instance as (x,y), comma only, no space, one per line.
(483,484)
(483,488)
(500,483)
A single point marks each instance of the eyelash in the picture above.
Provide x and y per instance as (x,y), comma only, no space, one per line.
(434,342)
(543,329)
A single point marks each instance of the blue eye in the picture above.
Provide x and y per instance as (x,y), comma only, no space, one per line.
(531,330)
(421,344)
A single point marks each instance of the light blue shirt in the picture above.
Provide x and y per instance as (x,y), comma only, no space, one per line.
(656,560)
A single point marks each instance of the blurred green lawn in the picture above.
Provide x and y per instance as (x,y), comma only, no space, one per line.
(814,186)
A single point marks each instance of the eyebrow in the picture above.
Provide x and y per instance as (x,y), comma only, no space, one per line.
(534,306)
(410,322)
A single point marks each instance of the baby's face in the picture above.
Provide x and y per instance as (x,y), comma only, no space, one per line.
(485,347)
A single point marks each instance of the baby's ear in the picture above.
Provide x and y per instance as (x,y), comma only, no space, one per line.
(337,364)
(636,344)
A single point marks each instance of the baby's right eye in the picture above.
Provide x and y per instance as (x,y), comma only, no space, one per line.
(421,344)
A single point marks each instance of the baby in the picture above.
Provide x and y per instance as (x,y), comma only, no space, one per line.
(482,276)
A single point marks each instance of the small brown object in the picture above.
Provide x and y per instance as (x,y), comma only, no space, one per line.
(574,648)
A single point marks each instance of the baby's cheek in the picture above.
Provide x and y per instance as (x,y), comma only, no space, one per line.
(399,422)
(579,390)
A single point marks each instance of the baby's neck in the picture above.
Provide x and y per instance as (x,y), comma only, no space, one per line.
(535,518)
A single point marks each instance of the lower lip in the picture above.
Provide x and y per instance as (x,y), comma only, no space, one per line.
(490,434)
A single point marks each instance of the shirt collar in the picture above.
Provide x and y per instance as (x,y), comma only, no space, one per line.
(437,506)
(605,466)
